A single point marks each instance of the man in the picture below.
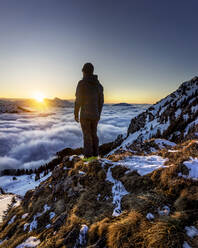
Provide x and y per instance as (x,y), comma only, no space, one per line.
(89,100)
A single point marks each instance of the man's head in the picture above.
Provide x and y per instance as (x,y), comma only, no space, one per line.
(88,69)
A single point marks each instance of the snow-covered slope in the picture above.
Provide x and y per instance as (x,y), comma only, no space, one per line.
(21,184)
(174,118)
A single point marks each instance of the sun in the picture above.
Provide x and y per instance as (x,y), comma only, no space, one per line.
(39,97)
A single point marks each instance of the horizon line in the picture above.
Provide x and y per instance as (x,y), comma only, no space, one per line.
(72,100)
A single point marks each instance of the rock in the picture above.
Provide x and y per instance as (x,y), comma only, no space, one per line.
(188,200)
(1,191)
(57,172)
(59,206)
(58,188)
(27,197)
(67,183)
(59,221)
(72,236)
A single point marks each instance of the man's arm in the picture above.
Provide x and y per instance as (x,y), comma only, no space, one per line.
(101,99)
(77,104)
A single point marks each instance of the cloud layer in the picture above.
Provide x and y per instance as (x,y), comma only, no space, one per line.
(30,140)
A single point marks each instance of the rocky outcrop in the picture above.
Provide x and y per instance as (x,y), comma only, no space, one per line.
(1,191)
(174,118)
(98,203)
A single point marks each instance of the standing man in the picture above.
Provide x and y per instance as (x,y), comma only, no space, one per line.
(89,100)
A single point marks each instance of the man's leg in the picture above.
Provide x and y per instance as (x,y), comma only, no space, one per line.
(95,139)
(87,136)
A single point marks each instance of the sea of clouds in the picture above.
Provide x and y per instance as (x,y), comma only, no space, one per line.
(32,139)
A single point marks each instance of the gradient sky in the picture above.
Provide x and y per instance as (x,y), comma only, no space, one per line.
(142,49)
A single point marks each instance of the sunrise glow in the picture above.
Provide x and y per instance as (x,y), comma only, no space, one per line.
(39,97)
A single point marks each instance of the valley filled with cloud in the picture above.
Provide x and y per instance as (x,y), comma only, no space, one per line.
(32,139)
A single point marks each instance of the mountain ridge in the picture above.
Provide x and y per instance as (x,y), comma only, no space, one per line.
(166,118)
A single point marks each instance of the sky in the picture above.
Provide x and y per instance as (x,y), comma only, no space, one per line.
(141,49)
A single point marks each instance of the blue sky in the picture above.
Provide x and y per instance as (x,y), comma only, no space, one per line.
(142,50)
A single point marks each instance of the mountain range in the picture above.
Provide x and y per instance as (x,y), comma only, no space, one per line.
(29,105)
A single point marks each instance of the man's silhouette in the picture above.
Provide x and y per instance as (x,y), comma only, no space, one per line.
(89,100)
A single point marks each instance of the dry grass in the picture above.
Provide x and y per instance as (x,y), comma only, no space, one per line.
(188,202)
(119,156)
(118,171)
(14,241)
(135,183)
(144,202)
(89,207)
(164,233)
(181,153)
(98,230)
(123,233)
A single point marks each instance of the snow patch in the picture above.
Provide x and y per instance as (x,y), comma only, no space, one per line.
(5,201)
(25,226)
(189,126)
(186,245)
(24,215)
(46,208)
(30,242)
(191,231)
(143,164)
(81,172)
(162,143)
(164,211)
(52,214)
(178,113)
(192,165)
(33,224)
(98,197)
(22,184)
(118,191)
(82,238)
(48,226)
(150,216)
(12,220)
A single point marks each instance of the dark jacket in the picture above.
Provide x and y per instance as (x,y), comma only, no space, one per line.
(89,98)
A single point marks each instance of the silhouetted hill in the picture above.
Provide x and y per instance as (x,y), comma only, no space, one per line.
(122,104)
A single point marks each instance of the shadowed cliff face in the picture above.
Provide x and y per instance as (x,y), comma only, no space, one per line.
(143,194)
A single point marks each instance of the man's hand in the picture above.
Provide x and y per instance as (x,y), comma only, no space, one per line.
(76,119)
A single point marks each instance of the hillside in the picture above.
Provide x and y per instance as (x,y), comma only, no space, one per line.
(143,194)
(174,118)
